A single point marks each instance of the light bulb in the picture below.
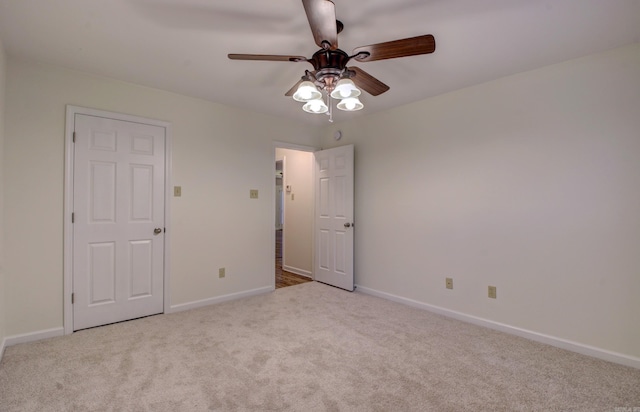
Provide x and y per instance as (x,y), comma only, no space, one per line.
(306,91)
(345,89)
(350,104)
(315,106)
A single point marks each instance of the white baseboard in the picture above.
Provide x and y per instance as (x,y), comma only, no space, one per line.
(297,271)
(32,336)
(219,299)
(592,351)
(51,333)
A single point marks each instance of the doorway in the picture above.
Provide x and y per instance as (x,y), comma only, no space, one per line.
(115,241)
(293,215)
(318,224)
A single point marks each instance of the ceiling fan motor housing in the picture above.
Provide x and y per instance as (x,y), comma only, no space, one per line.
(329,66)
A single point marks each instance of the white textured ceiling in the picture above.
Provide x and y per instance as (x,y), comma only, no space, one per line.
(182,45)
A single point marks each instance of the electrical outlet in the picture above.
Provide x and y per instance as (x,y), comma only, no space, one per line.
(493,293)
(221,273)
(177,191)
(253,194)
(449,283)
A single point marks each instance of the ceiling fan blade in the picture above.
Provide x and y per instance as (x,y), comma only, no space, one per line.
(367,82)
(322,19)
(268,57)
(398,48)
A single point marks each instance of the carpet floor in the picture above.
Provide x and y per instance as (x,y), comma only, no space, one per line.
(308,347)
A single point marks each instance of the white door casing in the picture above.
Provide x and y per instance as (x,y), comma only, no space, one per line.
(119,220)
(334,223)
(301,148)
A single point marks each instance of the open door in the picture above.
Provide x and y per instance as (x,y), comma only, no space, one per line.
(334,223)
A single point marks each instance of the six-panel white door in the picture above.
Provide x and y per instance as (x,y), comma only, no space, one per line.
(118,229)
(334,217)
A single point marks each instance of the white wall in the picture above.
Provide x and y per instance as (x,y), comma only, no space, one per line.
(530,183)
(2,275)
(299,204)
(219,154)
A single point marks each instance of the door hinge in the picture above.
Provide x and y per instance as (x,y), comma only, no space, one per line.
(73,218)
(73,298)
(74,137)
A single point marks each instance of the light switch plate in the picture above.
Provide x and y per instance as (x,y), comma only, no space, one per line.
(253,194)
(177,191)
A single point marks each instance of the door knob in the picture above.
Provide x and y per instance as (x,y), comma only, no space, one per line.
(157,231)
(347,224)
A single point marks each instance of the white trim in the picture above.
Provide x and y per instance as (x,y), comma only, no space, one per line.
(297,271)
(283,244)
(33,336)
(293,146)
(68,204)
(577,347)
(168,192)
(219,299)
(67,259)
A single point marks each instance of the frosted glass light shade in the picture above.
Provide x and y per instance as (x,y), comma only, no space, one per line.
(315,106)
(345,89)
(307,91)
(350,104)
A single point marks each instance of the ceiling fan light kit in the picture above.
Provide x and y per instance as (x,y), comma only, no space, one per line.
(345,89)
(350,104)
(331,74)
(316,106)
(306,92)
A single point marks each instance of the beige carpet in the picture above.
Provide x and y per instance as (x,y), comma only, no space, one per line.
(309,347)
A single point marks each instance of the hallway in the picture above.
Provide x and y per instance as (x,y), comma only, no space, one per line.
(284,278)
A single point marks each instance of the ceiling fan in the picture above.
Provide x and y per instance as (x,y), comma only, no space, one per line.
(331,73)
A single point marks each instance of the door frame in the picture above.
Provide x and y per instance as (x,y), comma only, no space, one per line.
(302,148)
(67,263)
